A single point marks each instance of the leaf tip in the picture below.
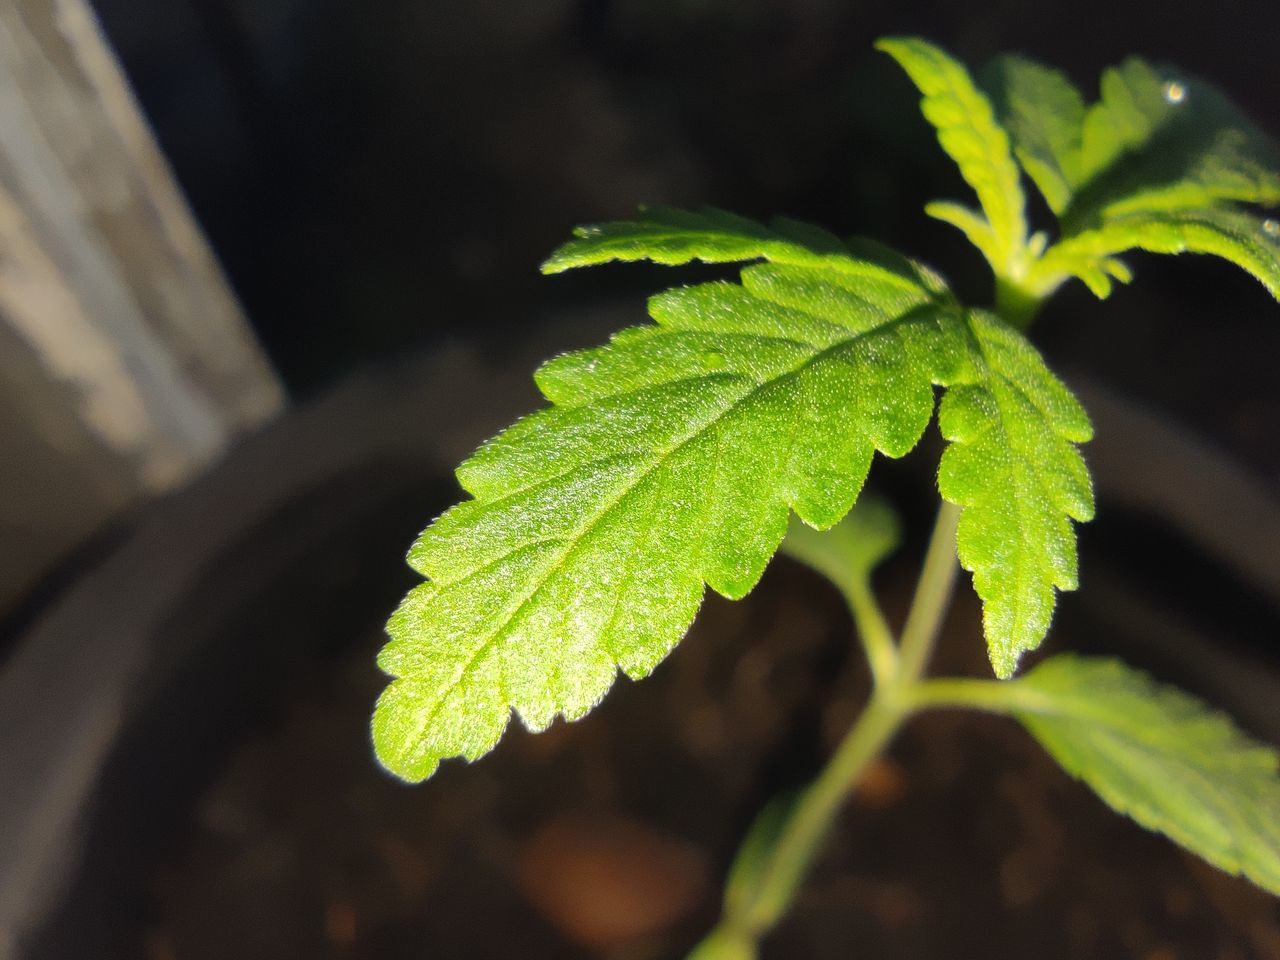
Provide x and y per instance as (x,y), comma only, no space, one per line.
(895,43)
(556,263)
(1004,663)
(397,748)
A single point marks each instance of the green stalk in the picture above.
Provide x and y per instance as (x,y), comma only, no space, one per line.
(968,693)
(763,889)
(933,595)
(1015,304)
(872,629)
(811,819)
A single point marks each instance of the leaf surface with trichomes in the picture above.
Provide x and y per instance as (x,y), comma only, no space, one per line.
(971,136)
(1162,757)
(668,459)
(1014,467)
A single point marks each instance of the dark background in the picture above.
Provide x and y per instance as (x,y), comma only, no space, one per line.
(376,176)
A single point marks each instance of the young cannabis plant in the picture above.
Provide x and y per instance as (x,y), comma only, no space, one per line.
(672,458)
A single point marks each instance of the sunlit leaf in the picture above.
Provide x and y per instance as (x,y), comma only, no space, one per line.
(1162,757)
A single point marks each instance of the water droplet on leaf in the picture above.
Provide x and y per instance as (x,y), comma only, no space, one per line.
(1174,92)
(713,360)
(1271,228)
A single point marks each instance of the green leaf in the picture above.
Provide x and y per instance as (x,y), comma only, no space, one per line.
(1160,163)
(969,133)
(726,944)
(1160,140)
(1013,466)
(976,228)
(1248,241)
(1157,140)
(1162,757)
(1044,114)
(674,237)
(1133,106)
(668,458)
(851,549)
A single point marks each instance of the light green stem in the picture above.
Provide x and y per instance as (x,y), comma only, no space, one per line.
(967,693)
(811,819)
(751,913)
(1016,304)
(933,594)
(873,630)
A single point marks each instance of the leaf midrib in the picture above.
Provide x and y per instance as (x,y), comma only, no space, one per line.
(1006,233)
(994,378)
(545,481)
(574,543)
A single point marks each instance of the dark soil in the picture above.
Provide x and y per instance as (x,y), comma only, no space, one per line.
(610,837)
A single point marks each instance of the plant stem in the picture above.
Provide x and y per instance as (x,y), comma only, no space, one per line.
(933,593)
(813,815)
(969,693)
(753,912)
(873,630)
(1016,305)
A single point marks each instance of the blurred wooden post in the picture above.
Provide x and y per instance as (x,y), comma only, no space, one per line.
(125,363)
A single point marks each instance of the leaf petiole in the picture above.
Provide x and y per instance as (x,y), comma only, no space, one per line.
(969,693)
(933,595)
